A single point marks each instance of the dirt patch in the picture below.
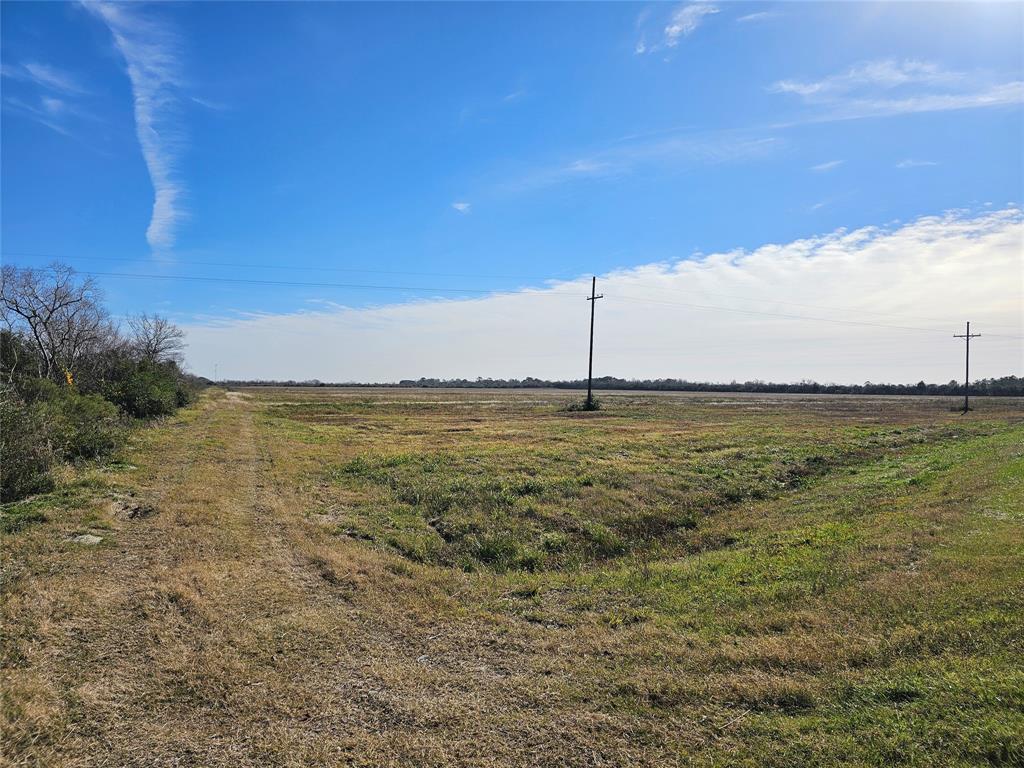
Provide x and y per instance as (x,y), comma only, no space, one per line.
(131,509)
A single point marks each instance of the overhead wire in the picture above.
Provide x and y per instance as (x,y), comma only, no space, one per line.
(294,267)
(773,300)
(783,315)
(547,279)
(533,292)
(311,284)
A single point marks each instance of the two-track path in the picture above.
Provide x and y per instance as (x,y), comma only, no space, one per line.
(227,628)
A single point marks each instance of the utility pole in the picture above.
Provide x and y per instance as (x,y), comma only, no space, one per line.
(967,363)
(592,298)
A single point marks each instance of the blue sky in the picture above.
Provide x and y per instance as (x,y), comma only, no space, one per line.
(490,146)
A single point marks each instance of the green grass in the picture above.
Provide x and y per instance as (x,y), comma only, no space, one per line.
(15,516)
(671,580)
(829,567)
(492,504)
(21,514)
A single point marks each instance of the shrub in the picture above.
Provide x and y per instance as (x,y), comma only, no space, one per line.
(143,389)
(33,390)
(25,454)
(184,393)
(80,426)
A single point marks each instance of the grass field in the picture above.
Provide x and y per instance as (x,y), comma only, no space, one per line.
(480,578)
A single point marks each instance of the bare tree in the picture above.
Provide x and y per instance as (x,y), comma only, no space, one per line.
(15,356)
(60,316)
(156,338)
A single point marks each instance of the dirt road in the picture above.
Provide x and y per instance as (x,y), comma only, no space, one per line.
(221,629)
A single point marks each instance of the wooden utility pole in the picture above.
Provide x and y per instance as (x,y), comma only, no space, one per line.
(967,363)
(592,298)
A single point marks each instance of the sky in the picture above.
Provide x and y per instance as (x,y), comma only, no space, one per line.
(372,192)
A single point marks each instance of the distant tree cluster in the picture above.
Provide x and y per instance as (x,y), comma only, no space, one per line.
(1006,386)
(71,379)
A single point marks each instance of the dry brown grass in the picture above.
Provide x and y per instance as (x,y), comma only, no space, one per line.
(238,624)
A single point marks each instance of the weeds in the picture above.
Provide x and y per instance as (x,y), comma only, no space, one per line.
(575,406)
(448,578)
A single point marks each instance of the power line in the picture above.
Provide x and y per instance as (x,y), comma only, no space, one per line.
(534,292)
(662,289)
(546,279)
(789,316)
(776,314)
(481,291)
(303,284)
(294,267)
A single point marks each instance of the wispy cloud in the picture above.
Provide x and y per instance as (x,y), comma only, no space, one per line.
(462,207)
(759,16)
(48,95)
(151,51)
(668,150)
(41,114)
(685,21)
(491,109)
(909,163)
(53,106)
(216,106)
(927,267)
(682,22)
(587,166)
(44,76)
(890,87)
(1005,94)
(869,89)
(884,74)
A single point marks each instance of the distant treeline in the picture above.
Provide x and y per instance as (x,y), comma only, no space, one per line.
(1006,386)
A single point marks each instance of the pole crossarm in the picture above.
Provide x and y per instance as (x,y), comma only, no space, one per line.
(967,363)
(592,298)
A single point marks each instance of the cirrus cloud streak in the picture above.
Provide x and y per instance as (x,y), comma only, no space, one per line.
(151,51)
